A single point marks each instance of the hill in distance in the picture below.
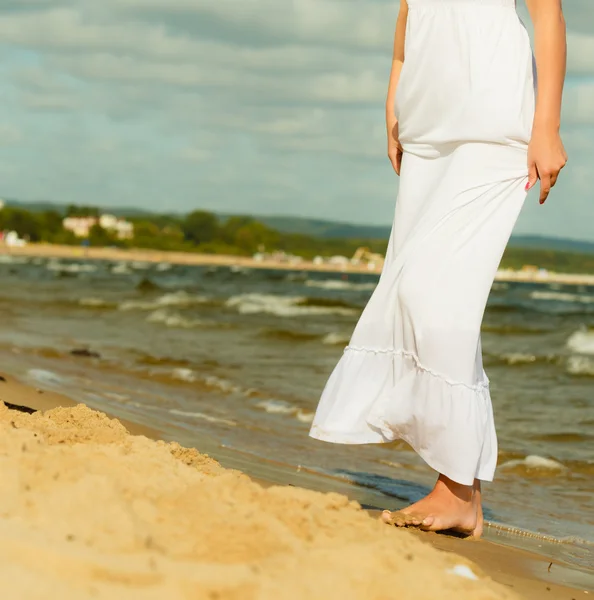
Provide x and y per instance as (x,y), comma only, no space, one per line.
(332,229)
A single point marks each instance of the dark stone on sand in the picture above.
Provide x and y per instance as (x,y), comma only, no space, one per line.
(2,378)
(146,285)
(23,409)
(85,353)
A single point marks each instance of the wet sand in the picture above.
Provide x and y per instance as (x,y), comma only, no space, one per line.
(197,259)
(96,508)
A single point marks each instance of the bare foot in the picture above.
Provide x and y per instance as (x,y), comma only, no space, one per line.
(449,505)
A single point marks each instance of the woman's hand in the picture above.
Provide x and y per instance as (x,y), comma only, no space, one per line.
(394,147)
(546,158)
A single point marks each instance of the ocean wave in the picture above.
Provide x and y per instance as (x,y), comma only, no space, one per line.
(290,335)
(140,265)
(173,320)
(211,381)
(8,259)
(518,359)
(534,462)
(93,302)
(580,366)
(581,342)
(507,329)
(183,374)
(46,377)
(122,268)
(562,297)
(179,299)
(337,284)
(336,339)
(147,285)
(72,268)
(287,306)
(203,417)
(280,407)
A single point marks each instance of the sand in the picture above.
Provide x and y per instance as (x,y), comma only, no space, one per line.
(191,258)
(89,510)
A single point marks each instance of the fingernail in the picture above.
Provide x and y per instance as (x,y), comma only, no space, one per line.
(527,186)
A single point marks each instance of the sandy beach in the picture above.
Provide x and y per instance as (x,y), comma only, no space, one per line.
(197,259)
(95,508)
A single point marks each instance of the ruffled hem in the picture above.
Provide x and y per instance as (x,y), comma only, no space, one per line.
(377,396)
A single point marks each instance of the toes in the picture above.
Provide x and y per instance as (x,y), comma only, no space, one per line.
(415,520)
(397,519)
(402,519)
(429,523)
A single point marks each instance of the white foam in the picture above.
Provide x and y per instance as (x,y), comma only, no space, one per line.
(562,297)
(337,284)
(212,381)
(186,375)
(122,268)
(281,306)
(336,339)
(222,384)
(173,320)
(534,461)
(44,376)
(581,342)
(58,267)
(93,302)
(203,417)
(178,299)
(517,358)
(164,267)
(8,259)
(137,305)
(305,416)
(276,407)
(280,407)
(580,365)
(139,265)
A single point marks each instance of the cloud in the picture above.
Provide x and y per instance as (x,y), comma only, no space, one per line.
(259,106)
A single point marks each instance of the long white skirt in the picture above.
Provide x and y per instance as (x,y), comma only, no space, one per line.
(413,369)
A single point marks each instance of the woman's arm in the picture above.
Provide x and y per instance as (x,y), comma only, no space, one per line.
(394,149)
(546,154)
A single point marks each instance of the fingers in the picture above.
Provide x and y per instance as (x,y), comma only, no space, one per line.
(532,176)
(545,187)
(395,156)
(393,160)
(398,161)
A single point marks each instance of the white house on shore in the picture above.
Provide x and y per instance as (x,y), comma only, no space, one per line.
(81,226)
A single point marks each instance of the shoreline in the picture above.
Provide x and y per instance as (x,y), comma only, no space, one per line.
(525,573)
(221,260)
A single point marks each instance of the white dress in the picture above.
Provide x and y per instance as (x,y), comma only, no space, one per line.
(413,369)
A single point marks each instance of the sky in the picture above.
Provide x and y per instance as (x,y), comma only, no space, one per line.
(236,106)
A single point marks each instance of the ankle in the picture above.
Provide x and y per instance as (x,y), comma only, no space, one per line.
(463,493)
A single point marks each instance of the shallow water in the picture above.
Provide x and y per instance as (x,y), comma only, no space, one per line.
(241,356)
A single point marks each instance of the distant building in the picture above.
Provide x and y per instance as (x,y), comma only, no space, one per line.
(81,226)
(12,240)
(364,256)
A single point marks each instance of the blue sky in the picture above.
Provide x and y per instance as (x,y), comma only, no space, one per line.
(259,106)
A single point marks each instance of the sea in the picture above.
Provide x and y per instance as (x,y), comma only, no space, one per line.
(233,360)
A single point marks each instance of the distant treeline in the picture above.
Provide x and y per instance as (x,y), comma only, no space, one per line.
(202,231)
(199,231)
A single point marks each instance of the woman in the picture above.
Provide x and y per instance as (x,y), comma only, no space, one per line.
(466,134)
